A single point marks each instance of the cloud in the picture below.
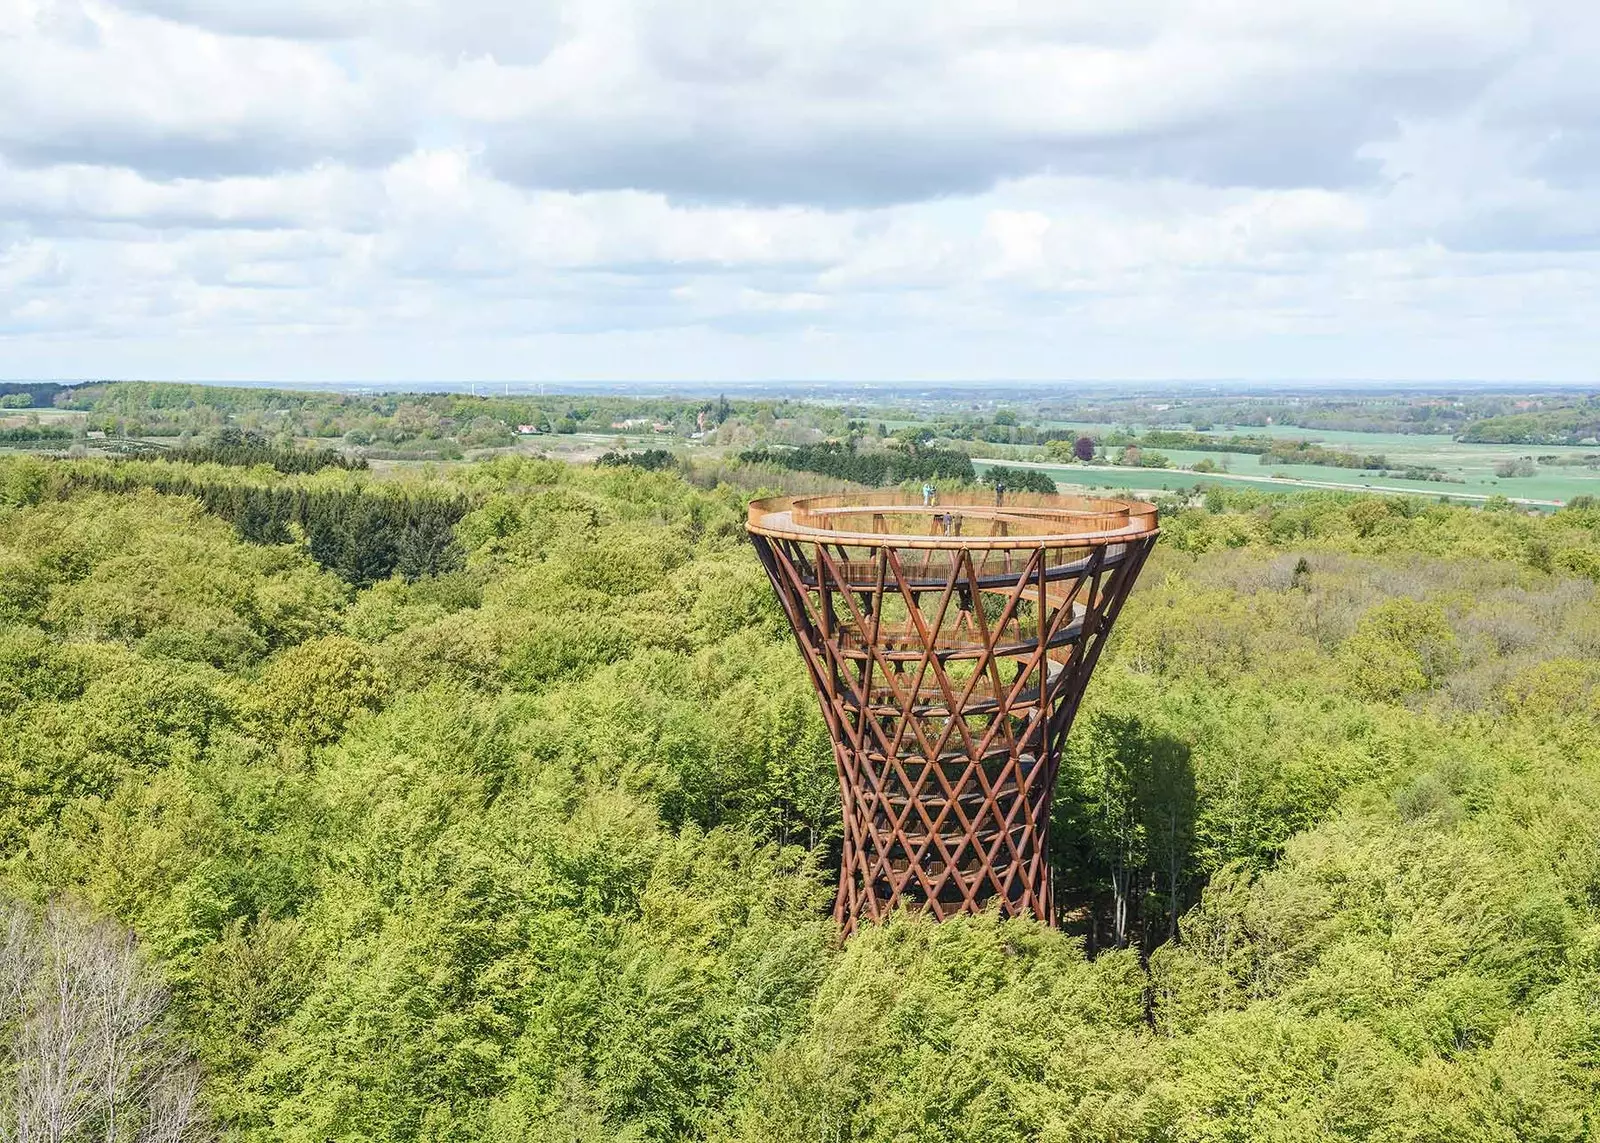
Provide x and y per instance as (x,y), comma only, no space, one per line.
(91,83)
(508,29)
(894,189)
(867,106)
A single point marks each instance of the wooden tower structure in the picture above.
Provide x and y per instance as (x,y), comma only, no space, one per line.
(950,639)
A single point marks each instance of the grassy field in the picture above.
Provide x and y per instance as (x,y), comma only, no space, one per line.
(1469,468)
(1551,486)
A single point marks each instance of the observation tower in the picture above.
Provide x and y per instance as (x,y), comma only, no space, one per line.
(950,643)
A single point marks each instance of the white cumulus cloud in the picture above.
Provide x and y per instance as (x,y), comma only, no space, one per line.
(675,188)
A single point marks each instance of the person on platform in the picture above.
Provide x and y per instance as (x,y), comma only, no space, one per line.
(928,493)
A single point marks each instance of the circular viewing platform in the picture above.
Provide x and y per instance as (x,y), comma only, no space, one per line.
(952,520)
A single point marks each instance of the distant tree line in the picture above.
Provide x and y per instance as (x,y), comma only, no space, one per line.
(1271,450)
(24,434)
(1019,479)
(246,449)
(1304,452)
(1584,460)
(1420,472)
(651,460)
(1200,442)
(1573,424)
(427,422)
(29,394)
(1335,413)
(889,466)
(1134,457)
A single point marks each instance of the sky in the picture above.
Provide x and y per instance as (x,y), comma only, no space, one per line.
(411,190)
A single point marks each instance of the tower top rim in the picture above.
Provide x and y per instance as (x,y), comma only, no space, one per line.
(898,519)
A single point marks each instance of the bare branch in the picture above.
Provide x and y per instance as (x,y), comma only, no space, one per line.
(87,1053)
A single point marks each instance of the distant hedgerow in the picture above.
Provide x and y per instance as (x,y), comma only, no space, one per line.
(246,449)
(889,466)
(651,459)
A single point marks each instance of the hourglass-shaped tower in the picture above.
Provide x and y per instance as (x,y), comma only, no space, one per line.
(950,643)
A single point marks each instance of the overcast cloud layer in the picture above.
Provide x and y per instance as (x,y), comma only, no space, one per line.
(414,189)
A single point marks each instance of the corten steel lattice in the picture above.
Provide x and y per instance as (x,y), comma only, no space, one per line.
(950,645)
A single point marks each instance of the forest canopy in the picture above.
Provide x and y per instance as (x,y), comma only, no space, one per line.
(534,837)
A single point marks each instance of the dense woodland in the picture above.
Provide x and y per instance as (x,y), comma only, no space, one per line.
(875,467)
(1567,422)
(531,837)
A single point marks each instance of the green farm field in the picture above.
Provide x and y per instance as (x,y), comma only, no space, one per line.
(1469,468)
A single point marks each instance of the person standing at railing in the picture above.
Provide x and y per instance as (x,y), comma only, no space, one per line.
(928,493)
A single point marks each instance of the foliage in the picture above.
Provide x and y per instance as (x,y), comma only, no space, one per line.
(1019,479)
(311,693)
(20,434)
(884,466)
(39,394)
(395,425)
(1305,452)
(650,459)
(1571,423)
(245,449)
(1520,467)
(1205,442)
(364,533)
(537,841)
(1398,647)
(1269,449)
(1135,457)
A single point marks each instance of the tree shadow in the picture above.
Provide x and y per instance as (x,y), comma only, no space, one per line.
(1122,833)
